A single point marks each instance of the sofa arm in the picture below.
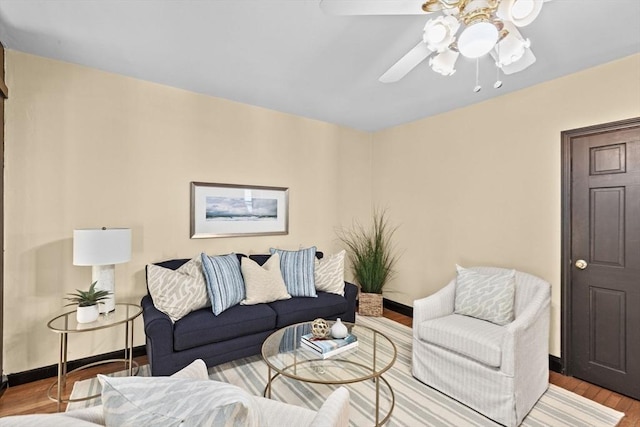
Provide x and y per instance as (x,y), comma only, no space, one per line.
(351,294)
(436,305)
(158,328)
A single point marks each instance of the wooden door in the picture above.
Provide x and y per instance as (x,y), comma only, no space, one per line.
(602,266)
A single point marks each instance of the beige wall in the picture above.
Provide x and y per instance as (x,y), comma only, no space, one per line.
(86,148)
(481,185)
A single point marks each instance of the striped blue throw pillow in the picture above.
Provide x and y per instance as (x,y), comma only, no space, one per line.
(224,281)
(297,269)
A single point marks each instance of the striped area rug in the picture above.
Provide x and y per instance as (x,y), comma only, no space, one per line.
(416,404)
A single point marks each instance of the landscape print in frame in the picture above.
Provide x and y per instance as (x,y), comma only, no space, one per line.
(226,210)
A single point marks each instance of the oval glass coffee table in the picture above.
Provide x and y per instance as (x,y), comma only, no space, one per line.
(374,355)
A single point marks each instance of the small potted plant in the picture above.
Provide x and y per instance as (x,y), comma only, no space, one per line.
(87,302)
(372,260)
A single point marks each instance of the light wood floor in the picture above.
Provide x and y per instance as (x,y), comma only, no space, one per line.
(32,397)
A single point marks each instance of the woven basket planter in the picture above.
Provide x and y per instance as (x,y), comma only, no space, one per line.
(370,304)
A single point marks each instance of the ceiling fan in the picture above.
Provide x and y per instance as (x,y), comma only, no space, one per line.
(471,28)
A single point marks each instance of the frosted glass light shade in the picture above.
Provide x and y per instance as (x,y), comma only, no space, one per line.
(520,12)
(511,48)
(526,61)
(477,39)
(440,32)
(98,246)
(444,63)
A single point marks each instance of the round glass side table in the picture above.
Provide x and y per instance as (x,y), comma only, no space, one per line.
(65,324)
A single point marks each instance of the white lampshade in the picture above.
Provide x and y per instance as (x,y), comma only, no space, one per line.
(444,62)
(101,246)
(477,39)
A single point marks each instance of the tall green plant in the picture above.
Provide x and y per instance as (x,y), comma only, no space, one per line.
(371,252)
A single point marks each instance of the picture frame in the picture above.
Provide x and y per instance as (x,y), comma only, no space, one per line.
(231,210)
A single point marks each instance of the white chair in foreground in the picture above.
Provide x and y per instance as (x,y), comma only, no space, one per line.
(498,370)
(128,400)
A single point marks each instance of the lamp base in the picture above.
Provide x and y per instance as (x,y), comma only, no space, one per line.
(105,275)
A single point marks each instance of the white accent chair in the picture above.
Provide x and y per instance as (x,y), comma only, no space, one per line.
(334,412)
(499,371)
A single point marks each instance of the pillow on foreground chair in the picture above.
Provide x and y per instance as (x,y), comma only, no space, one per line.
(129,392)
(498,369)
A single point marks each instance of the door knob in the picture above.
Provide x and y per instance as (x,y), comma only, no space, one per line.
(581,264)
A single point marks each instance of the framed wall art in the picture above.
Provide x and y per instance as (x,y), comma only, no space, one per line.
(226,210)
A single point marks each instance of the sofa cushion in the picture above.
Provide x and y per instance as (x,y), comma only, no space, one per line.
(262,258)
(224,281)
(296,310)
(488,297)
(263,283)
(135,401)
(470,337)
(202,327)
(329,273)
(298,271)
(178,293)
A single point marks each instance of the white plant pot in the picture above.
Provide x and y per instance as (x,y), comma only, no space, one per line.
(87,314)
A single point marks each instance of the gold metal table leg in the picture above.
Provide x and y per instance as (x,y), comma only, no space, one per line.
(377,401)
(62,369)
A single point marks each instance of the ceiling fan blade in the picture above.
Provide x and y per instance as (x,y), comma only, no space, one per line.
(372,7)
(407,63)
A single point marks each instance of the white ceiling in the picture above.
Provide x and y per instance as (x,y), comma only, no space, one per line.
(289,56)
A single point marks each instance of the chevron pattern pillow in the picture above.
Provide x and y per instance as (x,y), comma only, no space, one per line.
(178,292)
(224,281)
(329,273)
(297,269)
(486,297)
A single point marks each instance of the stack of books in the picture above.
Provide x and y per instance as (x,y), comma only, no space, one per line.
(327,347)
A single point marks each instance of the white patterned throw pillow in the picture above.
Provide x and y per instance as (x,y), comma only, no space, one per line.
(486,297)
(167,402)
(297,269)
(178,292)
(263,283)
(329,273)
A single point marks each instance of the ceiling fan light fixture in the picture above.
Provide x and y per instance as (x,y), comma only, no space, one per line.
(511,48)
(444,62)
(527,59)
(520,12)
(440,32)
(478,39)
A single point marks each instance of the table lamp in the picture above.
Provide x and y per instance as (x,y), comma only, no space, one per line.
(102,248)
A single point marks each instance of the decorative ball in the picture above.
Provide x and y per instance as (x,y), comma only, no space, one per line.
(320,328)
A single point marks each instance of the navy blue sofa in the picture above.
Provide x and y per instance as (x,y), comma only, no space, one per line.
(235,333)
